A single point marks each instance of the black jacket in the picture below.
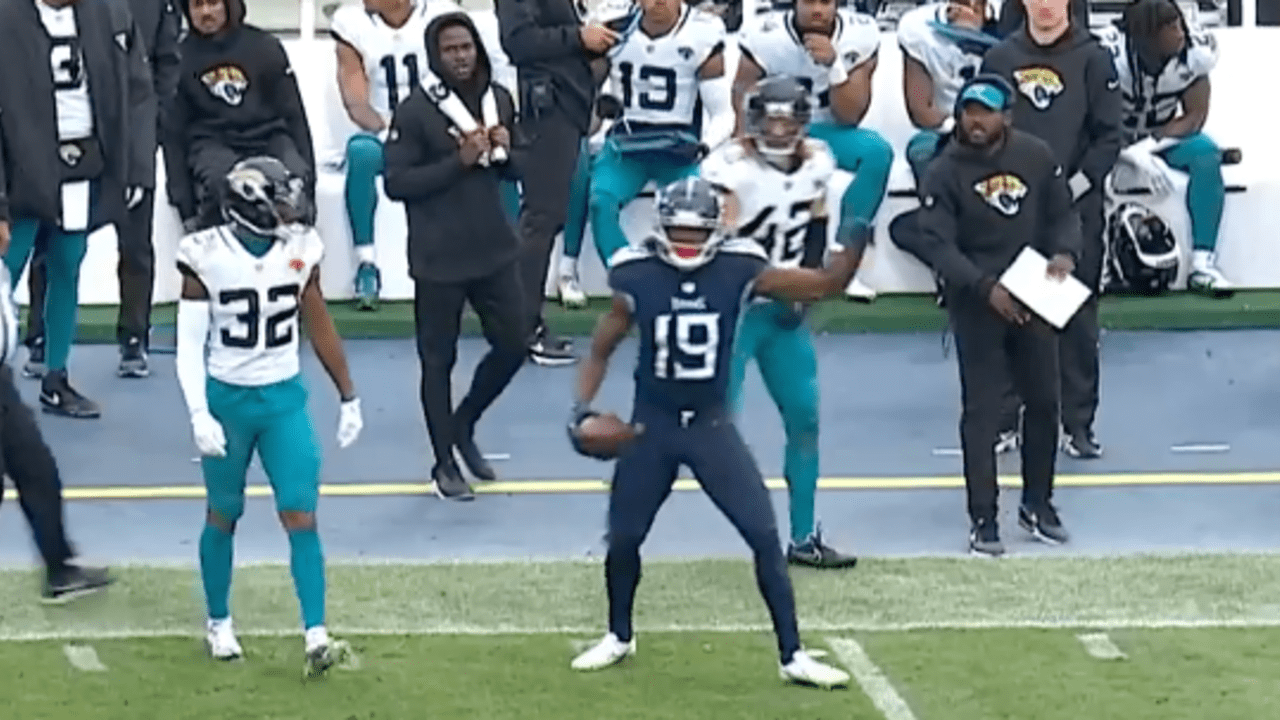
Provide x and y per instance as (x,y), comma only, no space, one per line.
(457,228)
(541,38)
(160,26)
(124,110)
(1068,96)
(236,89)
(980,210)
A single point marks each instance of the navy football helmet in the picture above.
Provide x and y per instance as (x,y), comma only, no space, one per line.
(689,216)
(263,197)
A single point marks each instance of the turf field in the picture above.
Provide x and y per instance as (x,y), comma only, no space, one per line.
(1172,637)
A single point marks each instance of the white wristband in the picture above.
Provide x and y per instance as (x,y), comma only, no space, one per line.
(837,74)
(947,125)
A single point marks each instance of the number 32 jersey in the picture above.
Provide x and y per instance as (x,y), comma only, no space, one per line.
(253,302)
(686,321)
(774,207)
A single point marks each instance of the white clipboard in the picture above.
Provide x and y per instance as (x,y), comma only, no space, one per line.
(1056,301)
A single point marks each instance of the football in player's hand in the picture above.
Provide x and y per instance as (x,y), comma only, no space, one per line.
(604,436)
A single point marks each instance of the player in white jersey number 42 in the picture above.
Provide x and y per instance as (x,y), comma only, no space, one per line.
(245,284)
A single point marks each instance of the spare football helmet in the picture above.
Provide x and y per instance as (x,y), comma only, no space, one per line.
(1142,253)
(778,113)
(264,198)
(691,208)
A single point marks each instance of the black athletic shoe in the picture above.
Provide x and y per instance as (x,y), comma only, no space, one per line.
(551,351)
(984,539)
(471,456)
(1044,525)
(35,366)
(1082,445)
(133,360)
(72,581)
(450,484)
(817,554)
(59,398)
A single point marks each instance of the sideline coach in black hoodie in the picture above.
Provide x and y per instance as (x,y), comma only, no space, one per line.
(992,191)
(1068,96)
(462,246)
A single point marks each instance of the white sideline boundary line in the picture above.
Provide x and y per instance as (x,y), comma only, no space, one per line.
(874,682)
(196,631)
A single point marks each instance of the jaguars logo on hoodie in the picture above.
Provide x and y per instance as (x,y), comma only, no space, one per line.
(228,83)
(1002,191)
(1040,84)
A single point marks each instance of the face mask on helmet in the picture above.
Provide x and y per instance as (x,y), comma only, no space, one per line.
(688,217)
(264,198)
(776,119)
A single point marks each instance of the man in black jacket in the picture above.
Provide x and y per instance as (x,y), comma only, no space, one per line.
(552,51)
(462,246)
(990,193)
(161,27)
(74,153)
(236,97)
(1068,96)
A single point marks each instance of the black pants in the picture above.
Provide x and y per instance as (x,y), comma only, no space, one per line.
(210,162)
(1078,343)
(135,270)
(993,355)
(711,447)
(437,312)
(551,156)
(26,459)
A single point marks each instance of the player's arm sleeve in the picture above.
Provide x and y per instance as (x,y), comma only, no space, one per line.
(1062,233)
(192,334)
(291,107)
(413,170)
(143,113)
(938,232)
(717,97)
(165,58)
(525,40)
(178,182)
(1102,117)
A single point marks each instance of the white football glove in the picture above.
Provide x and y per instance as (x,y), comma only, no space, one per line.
(210,439)
(350,422)
(1141,156)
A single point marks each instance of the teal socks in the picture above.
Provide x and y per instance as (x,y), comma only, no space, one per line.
(306,562)
(216,548)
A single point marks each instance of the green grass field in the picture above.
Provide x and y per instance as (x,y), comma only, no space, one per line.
(926,639)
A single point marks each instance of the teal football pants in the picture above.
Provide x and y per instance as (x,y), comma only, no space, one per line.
(869,157)
(364,165)
(575,224)
(920,151)
(271,420)
(1199,157)
(616,180)
(64,253)
(789,367)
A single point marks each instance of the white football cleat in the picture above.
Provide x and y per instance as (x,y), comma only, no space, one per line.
(859,291)
(322,652)
(606,653)
(805,670)
(220,636)
(571,295)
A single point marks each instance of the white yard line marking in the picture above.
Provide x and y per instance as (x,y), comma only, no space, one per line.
(1099,645)
(1200,448)
(83,658)
(872,679)
(947,452)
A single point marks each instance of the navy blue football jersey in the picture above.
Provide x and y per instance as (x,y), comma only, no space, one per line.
(686,321)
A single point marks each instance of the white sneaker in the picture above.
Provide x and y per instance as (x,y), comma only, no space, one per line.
(805,670)
(1007,442)
(1209,281)
(609,651)
(220,637)
(859,291)
(322,652)
(571,295)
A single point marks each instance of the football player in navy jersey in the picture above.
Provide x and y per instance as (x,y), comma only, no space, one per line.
(685,287)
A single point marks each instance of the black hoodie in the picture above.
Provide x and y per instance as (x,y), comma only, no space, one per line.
(457,228)
(1068,96)
(235,88)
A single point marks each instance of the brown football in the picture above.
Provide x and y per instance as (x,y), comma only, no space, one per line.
(605,434)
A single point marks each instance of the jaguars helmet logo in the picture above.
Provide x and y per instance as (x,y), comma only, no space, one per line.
(1039,84)
(228,83)
(1003,191)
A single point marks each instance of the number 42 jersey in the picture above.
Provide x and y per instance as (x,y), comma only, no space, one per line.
(253,302)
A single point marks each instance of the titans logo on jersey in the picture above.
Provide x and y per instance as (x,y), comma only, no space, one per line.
(253,301)
(776,48)
(657,78)
(686,320)
(1151,101)
(394,58)
(774,207)
(1003,191)
(1040,85)
(949,64)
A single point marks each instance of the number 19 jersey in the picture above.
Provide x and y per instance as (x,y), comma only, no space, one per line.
(394,58)
(253,302)
(774,207)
